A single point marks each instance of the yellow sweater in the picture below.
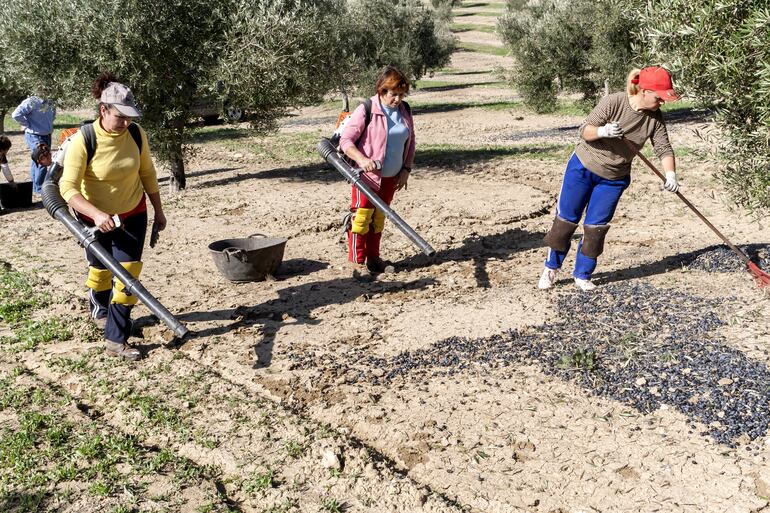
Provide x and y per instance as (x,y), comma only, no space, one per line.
(116,177)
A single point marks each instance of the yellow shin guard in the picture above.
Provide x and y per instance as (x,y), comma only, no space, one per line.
(361,221)
(99,280)
(378,221)
(119,294)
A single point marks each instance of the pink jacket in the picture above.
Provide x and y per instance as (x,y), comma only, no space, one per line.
(372,143)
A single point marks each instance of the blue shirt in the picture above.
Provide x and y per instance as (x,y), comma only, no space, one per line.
(398,134)
(35,115)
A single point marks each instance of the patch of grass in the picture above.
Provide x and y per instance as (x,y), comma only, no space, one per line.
(469,27)
(582,359)
(430,84)
(444,155)
(428,108)
(224,132)
(122,508)
(260,481)
(279,148)
(20,295)
(283,507)
(294,449)
(481,48)
(472,4)
(155,410)
(492,14)
(46,448)
(33,333)
(332,505)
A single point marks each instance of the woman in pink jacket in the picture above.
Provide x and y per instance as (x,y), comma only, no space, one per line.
(384,151)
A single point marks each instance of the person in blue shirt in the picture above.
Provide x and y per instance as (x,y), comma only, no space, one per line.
(36,115)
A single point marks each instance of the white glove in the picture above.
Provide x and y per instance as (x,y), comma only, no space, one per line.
(7,172)
(671,184)
(610,131)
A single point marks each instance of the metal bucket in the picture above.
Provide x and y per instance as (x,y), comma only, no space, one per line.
(249,259)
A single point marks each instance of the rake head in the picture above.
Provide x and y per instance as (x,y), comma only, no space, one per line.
(760,276)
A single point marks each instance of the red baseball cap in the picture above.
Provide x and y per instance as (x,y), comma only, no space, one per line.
(658,79)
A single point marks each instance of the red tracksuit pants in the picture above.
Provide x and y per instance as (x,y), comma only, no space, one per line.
(367,222)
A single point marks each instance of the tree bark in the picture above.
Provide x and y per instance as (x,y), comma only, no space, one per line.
(3,112)
(345,102)
(177,181)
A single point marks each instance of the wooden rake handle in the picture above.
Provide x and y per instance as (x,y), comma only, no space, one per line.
(743,256)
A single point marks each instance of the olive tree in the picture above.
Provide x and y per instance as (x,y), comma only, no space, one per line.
(162,50)
(444,9)
(569,45)
(263,55)
(404,33)
(719,52)
(280,54)
(11,94)
(16,74)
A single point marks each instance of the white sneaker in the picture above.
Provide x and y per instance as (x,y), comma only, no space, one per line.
(584,285)
(548,278)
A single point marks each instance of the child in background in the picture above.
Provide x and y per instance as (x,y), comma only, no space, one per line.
(41,155)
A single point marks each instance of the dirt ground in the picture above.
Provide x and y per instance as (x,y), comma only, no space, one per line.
(314,346)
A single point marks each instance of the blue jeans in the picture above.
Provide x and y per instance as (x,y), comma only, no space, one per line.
(582,190)
(36,171)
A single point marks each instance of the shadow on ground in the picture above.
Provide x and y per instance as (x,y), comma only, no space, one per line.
(714,258)
(203,172)
(454,158)
(308,173)
(480,249)
(434,108)
(293,306)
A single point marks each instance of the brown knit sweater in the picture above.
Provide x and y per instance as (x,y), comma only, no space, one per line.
(611,158)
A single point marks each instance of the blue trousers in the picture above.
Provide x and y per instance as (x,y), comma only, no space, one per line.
(37,172)
(126,245)
(584,191)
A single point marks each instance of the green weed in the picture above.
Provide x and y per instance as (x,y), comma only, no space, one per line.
(122,509)
(481,48)
(294,449)
(491,14)
(582,359)
(444,155)
(280,147)
(20,295)
(155,411)
(33,333)
(332,505)
(467,27)
(281,508)
(472,3)
(260,481)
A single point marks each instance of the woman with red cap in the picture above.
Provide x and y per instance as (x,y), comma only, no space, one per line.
(600,170)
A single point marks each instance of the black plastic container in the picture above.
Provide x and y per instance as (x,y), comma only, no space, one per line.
(18,197)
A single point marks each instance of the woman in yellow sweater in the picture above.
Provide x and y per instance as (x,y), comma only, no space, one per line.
(108,189)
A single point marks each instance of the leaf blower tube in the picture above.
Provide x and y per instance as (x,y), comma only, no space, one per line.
(329,153)
(57,207)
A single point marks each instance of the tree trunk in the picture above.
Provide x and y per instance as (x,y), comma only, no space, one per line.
(177,181)
(345,102)
(3,112)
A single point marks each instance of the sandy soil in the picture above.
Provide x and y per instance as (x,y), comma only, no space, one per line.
(478,438)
